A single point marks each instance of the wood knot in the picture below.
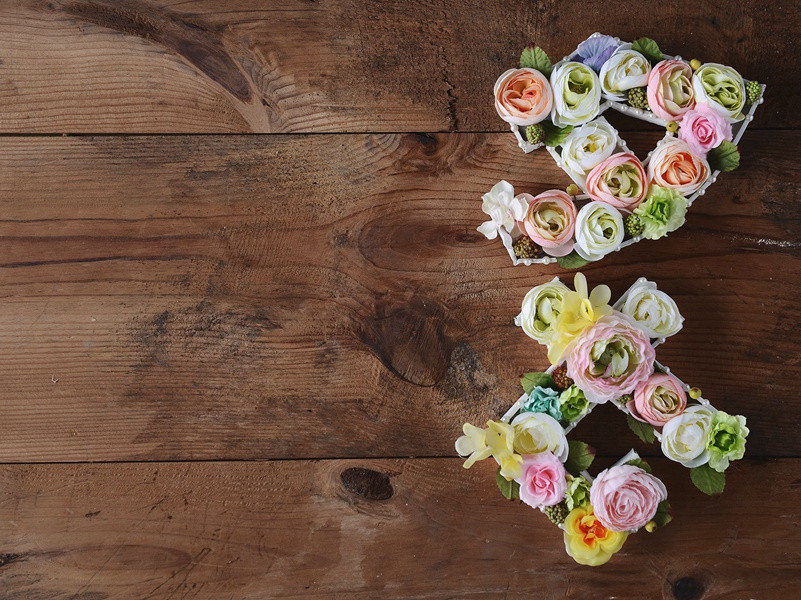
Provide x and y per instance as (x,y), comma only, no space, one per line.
(367,483)
(8,558)
(688,588)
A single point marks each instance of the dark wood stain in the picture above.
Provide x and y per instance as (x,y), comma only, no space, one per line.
(367,483)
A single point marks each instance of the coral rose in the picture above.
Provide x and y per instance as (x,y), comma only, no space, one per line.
(673,165)
(550,221)
(523,96)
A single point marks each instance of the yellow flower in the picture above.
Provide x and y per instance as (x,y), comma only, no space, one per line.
(579,310)
(497,440)
(587,541)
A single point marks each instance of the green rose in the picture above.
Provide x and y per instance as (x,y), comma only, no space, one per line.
(543,400)
(573,403)
(723,89)
(726,439)
(578,492)
(661,212)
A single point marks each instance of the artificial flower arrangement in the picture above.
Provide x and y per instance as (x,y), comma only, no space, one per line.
(705,109)
(601,353)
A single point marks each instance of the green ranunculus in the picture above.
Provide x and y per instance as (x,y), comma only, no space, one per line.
(543,400)
(723,88)
(726,440)
(578,492)
(661,212)
(573,403)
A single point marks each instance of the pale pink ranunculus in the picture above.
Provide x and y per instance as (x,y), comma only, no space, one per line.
(550,221)
(703,128)
(619,181)
(658,400)
(523,96)
(674,166)
(610,358)
(670,89)
(625,497)
(544,481)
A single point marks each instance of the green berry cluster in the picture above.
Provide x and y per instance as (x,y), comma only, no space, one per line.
(535,133)
(634,226)
(556,513)
(525,247)
(638,98)
(754,91)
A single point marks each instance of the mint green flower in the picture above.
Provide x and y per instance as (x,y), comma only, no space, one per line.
(722,88)
(578,492)
(726,440)
(543,400)
(573,403)
(661,212)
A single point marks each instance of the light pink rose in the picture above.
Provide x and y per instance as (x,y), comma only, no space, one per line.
(544,481)
(610,358)
(625,497)
(658,400)
(550,221)
(674,166)
(523,96)
(703,128)
(620,181)
(670,89)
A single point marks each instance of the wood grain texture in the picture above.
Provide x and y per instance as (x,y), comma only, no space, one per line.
(421,528)
(336,65)
(328,296)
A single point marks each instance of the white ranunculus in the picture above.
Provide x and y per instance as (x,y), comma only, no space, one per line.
(539,432)
(576,94)
(587,146)
(503,209)
(654,311)
(684,437)
(599,230)
(541,307)
(722,88)
(625,69)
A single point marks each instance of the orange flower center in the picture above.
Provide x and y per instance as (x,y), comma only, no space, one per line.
(591,530)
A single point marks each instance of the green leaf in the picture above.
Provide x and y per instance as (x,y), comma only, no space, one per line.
(642,430)
(534,57)
(662,516)
(531,380)
(708,480)
(509,489)
(638,462)
(579,458)
(571,261)
(555,135)
(648,48)
(725,157)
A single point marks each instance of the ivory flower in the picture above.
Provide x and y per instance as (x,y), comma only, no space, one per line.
(541,307)
(619,181)
(673,165)
(588,145)
(543,481)
(662,211)
(625,69)
(538,432)
(670,90)
(577,94)
(654,311)
(625,497)
(550,221)
(703,129)
(497,440)
(523,97)
(723,88)
(658,400)
(587,541)
(684,438)
(503,208)
(599,230)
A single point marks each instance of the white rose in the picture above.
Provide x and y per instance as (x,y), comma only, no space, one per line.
(684,437)
(654,311)
(576,94)
(503,209)
(722,88)
(538,432)
(541,307)
(599,230)
(587,146)
(625,69)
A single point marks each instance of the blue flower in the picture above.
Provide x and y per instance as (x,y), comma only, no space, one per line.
(594,52)
(543,400)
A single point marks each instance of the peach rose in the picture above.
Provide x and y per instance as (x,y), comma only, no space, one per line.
(619,181)
(674,166)
(550,221)
(657,400)
(523,96)
(670,89)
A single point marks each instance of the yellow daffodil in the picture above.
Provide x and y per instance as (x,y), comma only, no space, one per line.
(587,541)
(497,440)
(580,309)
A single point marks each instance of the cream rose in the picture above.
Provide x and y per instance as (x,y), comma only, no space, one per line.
(587,146)
(654,311)
(722,88)
(625,69)
(541,307)
(539,432)
(523,96)
(576,94)
(684,438)
(599,230)
(674,166)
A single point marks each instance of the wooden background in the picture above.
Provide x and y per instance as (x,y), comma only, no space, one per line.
(234,365)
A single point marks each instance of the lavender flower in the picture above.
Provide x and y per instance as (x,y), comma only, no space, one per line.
(594,52)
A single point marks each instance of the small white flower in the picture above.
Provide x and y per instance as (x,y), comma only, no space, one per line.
(625,69)
(541,306)
(577,94)
(588,146)
(654,311)
(599,230)
(503,209)
(539,432)
(684,437)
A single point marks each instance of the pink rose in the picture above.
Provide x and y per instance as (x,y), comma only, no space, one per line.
(544,481)
(619,181)
(658,400)
(703,129)
(523,96)
(670,89)
(674,166)
(550,221)
(625,497)
(610,358)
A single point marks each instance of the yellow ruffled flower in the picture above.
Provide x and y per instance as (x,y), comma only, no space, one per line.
(587,541)
(497,440)
(579,310)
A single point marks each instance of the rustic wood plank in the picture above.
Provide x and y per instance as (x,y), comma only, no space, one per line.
(334,65)
(422,528)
